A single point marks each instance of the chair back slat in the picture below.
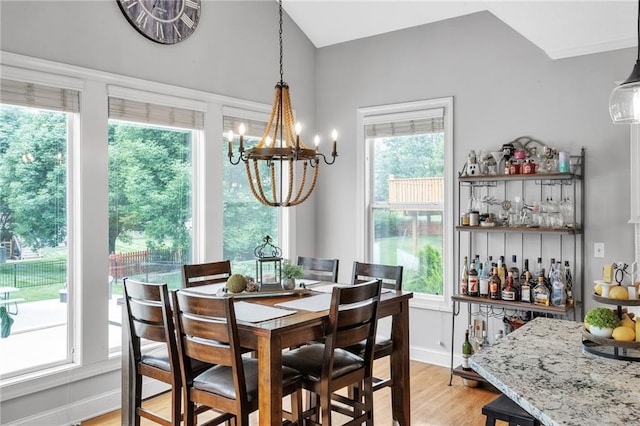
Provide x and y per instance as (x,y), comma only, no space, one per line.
(391,276)
(315,268)
(206,273)
(353,317)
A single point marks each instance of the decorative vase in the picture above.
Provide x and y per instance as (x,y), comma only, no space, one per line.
(289,283)
(601,332)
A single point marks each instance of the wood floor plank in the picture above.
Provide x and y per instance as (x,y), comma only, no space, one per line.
(433,401)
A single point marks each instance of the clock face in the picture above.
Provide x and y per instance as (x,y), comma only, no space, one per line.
(163,21)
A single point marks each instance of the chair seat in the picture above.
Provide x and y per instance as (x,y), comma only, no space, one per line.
(219,380)
(308,360)
(159,358)
(503,408)
(383,347)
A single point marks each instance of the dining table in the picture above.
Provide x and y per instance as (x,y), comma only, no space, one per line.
(273,321)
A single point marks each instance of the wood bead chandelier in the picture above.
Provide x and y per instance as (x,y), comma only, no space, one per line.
(290,164)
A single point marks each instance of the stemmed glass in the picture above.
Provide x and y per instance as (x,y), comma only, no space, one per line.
(497,156)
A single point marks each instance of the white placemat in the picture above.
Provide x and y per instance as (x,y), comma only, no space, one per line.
(317,303)
(255,312)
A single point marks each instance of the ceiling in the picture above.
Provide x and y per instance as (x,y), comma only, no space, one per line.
(560,28)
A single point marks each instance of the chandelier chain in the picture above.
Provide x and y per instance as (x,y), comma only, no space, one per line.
(281,49)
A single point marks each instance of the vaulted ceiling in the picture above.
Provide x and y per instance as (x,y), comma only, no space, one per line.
(560,28)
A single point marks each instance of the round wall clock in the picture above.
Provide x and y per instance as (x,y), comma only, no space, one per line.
(163,21)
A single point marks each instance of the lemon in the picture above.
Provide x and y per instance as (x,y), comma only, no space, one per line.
(624,334)
(598,289)
(586,325)
(618,292)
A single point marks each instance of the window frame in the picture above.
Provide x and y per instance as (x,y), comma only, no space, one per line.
(399,112)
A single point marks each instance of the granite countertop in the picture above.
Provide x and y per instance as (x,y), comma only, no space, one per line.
(543,368)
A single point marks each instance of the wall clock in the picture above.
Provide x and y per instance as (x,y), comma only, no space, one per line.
(163,21)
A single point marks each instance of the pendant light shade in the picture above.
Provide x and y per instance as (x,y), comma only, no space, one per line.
(624,102)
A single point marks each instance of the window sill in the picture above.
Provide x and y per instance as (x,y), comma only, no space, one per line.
(429,302)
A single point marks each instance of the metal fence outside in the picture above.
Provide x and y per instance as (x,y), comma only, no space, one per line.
(33,274)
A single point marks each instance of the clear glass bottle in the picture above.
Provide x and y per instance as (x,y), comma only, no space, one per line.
(541,293)
(484,342)
(464,277)
(483,279)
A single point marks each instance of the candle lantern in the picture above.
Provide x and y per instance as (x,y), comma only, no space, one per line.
(268,265)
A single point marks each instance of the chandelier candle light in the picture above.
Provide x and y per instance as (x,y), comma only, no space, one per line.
(281,144)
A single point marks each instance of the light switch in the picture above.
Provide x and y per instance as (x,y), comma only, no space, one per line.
(598,249)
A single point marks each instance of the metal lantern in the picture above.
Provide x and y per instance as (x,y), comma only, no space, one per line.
(268,265)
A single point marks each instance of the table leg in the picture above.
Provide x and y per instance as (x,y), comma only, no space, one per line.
(270,382)
(401,391)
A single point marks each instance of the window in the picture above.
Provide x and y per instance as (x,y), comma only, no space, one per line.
(35,139)
(246,221)
(407,163)
(150,196)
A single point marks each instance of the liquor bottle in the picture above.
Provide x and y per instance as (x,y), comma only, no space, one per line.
(568,280)
(473,289)
(558,288)
(467,351)
(502,271)
(525,269)
(495,284)
(487,265)
(525,288)
(541,292)
(499,335)
(539,268)
(515,271)
(550,271)
(509,291)
(477,263)
(483,279)
(464,277)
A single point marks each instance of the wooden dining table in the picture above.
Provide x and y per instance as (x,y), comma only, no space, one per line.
(268,339)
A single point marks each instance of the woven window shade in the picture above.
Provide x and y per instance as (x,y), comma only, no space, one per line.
(162,115)
(433,123)
(253,128)
(39,96)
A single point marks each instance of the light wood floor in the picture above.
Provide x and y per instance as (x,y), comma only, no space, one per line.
(433,402)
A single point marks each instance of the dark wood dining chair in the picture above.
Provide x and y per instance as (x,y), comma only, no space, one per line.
(327,367)
(320,269)
(207,332)
(391,277)
(149,317)
(206,273)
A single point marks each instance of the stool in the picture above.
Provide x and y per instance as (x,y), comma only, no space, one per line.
(503,408)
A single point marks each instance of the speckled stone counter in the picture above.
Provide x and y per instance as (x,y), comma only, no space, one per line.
(543,368)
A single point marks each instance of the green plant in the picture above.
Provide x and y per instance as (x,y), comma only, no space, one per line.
(291,270)
(602,318)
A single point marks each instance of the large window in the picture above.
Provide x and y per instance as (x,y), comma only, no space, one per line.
(406,185)
(246,221)
(150,197)
(34,145)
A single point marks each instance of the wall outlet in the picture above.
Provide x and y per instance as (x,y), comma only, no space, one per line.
(598,249)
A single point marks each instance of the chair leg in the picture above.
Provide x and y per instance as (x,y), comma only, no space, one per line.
(176,406)
(189,414)
(137,399)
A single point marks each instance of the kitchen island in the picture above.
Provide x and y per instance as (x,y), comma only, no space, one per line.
(542,367)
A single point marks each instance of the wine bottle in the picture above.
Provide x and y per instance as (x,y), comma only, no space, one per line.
(525,269)
(464,277)
(467,351)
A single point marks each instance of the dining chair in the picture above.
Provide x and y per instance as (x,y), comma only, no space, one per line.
(316,268)
(327,367)
(206,273)
(391,277)
(149,317)
(207,332)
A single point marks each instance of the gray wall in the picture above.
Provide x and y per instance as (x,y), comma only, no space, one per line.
(503,87)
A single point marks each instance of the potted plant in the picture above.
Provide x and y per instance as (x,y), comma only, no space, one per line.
(601,322)
(290,271)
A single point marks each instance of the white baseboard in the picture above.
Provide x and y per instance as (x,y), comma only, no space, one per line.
(78,411)
(429,356)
